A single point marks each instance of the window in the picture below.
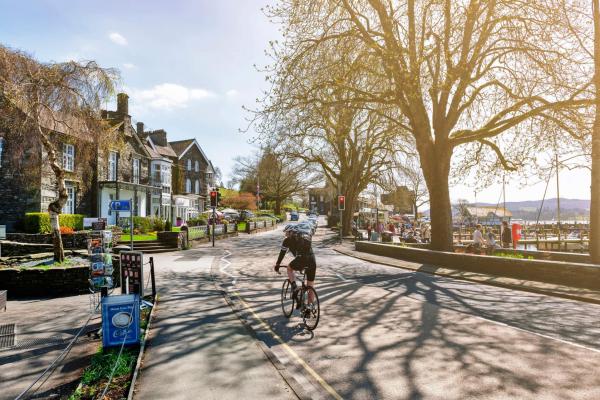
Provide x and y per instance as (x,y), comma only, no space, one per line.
(1,149)
(189,164)
(188,185)
(68,157)
(197,166)
(112,166)
(197,187)
(136,170)
(69,207)
(165,175)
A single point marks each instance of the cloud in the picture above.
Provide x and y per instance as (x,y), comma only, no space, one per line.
(117,38)
(129,66)
(168,96)
(232,93)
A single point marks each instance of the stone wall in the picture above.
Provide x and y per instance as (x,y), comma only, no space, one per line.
(555,272)
(77,240)
(37,282)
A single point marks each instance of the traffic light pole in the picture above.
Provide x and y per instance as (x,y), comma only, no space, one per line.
(213,224)
(341,224)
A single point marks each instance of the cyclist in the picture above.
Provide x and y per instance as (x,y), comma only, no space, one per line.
(298,242)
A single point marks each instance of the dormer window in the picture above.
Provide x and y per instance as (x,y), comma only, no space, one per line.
(189,164)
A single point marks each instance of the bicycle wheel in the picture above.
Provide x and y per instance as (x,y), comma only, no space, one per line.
(310,314)
(287,299)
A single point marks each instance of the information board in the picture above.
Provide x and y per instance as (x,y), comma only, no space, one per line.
(132,267)
(120,320)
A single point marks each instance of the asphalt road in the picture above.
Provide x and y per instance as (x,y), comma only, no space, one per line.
(388,333)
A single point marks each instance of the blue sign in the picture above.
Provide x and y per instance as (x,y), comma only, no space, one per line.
(120,320)
(120,205)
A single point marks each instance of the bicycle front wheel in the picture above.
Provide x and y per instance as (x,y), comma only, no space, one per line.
(310,311)
(287,298)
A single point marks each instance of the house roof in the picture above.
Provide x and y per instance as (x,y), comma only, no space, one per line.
(165,151)
(183,146)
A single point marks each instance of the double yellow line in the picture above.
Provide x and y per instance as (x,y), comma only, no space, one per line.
(291,351)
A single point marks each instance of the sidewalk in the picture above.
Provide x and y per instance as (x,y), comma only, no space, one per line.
(198,348)
(549,289)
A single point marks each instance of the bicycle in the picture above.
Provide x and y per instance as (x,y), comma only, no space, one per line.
(310,315)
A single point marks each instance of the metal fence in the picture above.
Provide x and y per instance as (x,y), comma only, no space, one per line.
(197,232)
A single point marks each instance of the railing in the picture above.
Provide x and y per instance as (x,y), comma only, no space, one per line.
(197,232)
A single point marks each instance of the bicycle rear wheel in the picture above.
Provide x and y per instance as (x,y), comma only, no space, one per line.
(310,313)
(287,298)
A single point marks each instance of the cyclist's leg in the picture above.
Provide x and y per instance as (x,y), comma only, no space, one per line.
(291,275)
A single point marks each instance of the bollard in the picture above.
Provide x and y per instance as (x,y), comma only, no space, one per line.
(152,279)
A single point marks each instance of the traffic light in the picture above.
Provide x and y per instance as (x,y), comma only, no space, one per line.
(213,198)
(341,203)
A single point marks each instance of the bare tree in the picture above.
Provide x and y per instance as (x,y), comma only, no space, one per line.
(56,97)
(279,177)
(407,172)
(457,75)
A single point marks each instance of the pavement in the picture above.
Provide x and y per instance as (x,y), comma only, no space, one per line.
(43,328)
(198,348)
(568,292)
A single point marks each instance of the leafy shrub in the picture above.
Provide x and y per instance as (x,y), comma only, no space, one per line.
(158,225)
(198,221)
(143,224)
(38,222)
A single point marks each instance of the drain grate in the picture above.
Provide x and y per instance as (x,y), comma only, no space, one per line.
(7,336)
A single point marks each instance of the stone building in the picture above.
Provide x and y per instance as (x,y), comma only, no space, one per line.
(193,178)
(123,167)
(27,183)
(138,165)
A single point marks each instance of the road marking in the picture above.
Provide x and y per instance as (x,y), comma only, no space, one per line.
(228,263)
(341,276)
(291,351)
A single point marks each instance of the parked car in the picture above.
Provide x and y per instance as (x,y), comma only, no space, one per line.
(294,216)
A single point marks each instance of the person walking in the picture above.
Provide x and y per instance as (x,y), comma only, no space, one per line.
(369,229)
(506,235)
(426,233)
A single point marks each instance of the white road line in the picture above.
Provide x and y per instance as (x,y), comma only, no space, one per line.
(223,268)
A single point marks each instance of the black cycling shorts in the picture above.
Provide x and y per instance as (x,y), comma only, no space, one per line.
(301,262)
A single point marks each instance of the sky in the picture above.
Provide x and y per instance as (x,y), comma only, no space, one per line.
(188,67)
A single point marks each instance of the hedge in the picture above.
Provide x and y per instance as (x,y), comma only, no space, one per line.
(38,222)
(148,224)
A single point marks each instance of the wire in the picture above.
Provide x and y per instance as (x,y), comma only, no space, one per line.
(64,353)
(112,373)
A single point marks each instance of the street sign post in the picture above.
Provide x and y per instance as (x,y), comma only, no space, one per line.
(214,202)
(124,205)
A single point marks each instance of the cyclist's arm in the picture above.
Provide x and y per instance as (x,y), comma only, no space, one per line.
(282,253)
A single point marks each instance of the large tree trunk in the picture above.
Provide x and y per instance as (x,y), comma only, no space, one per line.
(277,210)
(594,238)
(59,251)
(436,169)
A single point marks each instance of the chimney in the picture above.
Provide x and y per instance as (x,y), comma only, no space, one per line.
(123,104)
(140,129)
(159,137)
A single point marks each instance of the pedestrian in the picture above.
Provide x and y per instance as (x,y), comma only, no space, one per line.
(506,235)
(478,241)
(369,229)
(426,233)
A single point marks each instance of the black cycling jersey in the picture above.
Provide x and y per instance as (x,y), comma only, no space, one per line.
(301,249)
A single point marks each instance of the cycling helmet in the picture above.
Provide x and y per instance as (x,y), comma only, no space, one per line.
(290,228)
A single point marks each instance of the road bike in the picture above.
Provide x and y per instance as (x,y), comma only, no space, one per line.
(289,300)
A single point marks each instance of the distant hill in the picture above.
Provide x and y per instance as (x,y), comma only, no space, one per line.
(569,208)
